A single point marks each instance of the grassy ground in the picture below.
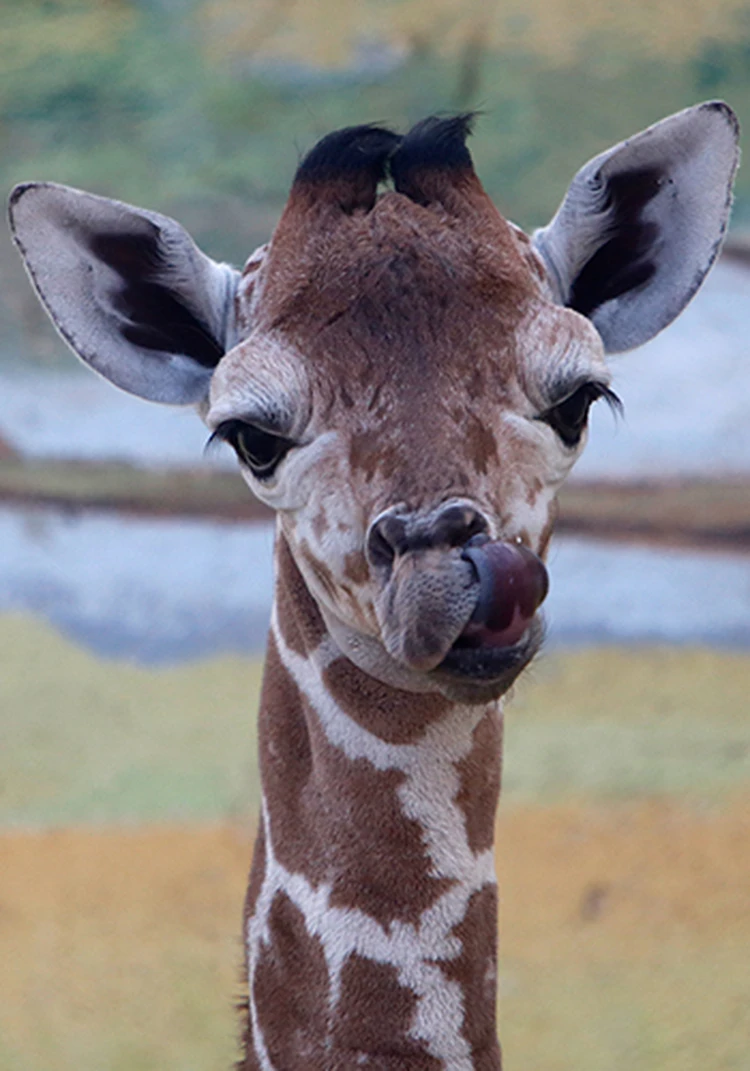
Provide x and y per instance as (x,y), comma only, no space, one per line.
(623,860)
(90,741)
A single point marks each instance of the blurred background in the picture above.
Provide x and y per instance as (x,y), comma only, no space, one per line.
(135,576)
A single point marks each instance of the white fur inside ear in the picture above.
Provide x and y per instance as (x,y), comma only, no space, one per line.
(642,224)
(127,289)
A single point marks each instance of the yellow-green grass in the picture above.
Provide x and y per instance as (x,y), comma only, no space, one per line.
(325,32)
(86,740)
(90,740)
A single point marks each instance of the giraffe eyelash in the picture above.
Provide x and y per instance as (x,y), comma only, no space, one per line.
(257,448)
(569,417)
(613,400)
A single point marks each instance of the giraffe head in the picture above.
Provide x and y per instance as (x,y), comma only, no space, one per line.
(404,375)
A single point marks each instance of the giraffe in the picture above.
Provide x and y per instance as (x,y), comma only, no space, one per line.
(405,378)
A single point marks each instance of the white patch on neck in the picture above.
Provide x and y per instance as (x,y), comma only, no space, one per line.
(427,796)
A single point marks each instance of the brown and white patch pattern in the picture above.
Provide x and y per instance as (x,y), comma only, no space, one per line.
(415,953)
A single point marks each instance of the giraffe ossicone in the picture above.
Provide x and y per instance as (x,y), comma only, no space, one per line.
(405,378)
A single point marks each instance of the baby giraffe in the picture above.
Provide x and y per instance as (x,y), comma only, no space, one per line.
(405,378)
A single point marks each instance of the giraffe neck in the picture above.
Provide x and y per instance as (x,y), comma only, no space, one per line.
(371,920)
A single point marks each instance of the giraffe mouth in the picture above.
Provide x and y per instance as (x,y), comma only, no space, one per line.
(472,659)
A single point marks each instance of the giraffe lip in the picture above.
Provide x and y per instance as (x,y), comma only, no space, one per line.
(475,657)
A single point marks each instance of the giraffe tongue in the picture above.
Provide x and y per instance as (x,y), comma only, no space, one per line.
(513,583)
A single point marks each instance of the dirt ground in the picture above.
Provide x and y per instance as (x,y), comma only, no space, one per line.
(625,937)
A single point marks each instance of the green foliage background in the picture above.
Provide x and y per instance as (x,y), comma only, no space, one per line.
(140,99)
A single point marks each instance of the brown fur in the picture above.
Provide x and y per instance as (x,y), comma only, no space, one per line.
(480,782)
(291,991)
(360,1034)
(476,970)
(392,715)
(299,618)
(257,870)
(408,317)
(334,820)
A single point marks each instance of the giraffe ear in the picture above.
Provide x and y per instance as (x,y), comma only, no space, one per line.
(642,224)
(127,289)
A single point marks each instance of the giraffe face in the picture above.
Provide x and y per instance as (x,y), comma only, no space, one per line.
(405,376)
(409,394)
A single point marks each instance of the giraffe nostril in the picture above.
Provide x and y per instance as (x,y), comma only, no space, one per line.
(456,526)
(394,534)
(386,539)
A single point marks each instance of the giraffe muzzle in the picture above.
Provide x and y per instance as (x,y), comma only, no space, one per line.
(466,611)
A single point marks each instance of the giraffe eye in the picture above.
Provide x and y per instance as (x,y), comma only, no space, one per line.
(569,417)
(259,449)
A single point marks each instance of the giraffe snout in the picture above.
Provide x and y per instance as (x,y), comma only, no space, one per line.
(452,599)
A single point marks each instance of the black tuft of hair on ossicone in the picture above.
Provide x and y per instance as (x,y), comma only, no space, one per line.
(434,144)
(355,157)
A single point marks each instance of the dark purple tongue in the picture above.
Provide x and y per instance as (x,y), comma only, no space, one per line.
(513,584)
